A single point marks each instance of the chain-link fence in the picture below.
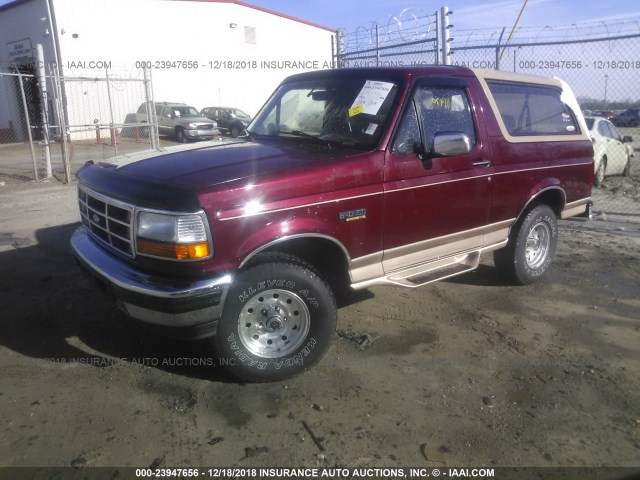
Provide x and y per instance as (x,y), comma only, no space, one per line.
(408,39)
(600,62)
(100,116)
(21,153)
(53,127)
(598,59)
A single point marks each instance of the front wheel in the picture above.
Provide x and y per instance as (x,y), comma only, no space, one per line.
(278,321)
(180,136)
(531,247)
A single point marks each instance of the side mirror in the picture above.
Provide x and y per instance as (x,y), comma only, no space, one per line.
(450,144)
(627,139)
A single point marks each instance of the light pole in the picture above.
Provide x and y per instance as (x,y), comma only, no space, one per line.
(606,81)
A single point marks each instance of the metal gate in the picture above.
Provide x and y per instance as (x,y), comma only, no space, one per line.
(51,124)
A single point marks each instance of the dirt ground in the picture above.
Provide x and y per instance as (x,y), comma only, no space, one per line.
(465,372)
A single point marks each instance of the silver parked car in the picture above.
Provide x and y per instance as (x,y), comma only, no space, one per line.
(180,121)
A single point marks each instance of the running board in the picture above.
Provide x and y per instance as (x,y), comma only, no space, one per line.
(423,274)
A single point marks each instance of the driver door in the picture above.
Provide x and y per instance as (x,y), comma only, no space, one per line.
(435,206)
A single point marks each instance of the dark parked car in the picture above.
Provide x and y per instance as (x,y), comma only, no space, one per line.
(628,118)
(230,120)
(608,114)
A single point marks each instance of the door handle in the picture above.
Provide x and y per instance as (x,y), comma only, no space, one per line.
(481,163)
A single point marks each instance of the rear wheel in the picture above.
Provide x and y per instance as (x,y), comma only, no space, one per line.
(531,247)
(235,131)
(278,321)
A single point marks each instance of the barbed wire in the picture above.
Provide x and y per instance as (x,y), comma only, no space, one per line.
(552,33)
(410,25)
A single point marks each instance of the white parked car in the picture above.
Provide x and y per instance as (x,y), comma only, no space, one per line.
(611,151)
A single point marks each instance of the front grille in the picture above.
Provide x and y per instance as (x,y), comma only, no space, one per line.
(108,220)
(205,126)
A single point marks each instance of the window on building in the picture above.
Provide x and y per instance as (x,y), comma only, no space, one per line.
(249,34)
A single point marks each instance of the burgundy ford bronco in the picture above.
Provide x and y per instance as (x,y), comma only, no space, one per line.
(355,177)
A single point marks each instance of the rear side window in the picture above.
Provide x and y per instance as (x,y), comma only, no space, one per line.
(533,110)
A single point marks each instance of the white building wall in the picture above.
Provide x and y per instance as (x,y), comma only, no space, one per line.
(25,21)
(230,70)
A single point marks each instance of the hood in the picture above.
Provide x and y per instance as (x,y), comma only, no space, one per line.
(197,118)
(215,163)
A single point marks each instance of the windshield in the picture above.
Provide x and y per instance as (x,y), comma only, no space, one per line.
(349,111)
(238,113)
(185,112)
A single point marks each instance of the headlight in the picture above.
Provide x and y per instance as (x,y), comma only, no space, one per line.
(180,237)
(192,126)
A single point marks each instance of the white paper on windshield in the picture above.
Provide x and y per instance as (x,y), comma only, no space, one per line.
(370,98)
(371,129)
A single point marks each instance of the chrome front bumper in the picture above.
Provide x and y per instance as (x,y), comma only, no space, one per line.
(153,299)
(195,133)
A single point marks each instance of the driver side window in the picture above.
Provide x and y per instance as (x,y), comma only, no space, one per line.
(439,110)
(408,133)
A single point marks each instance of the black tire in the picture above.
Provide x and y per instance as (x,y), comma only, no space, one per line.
(180,136)
(278,320)
(531,247)
(600,173)
(235,131)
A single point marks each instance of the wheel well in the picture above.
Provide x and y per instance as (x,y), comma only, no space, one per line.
(552,197)
(326,256)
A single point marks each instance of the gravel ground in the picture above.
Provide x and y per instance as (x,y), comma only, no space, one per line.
(465,372)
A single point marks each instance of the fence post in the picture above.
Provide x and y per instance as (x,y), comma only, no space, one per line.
(378,46)
(333,51)
(438,37)
(62,121)
(114,140)
(151,110)
(498,45)
(444,35)
(42,83)
(26,117)
(338,49)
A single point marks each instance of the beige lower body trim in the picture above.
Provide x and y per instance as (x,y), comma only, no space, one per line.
(377,266)
(363,268)
(574,208)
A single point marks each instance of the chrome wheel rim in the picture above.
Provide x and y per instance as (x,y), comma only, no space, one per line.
(538,242)
(273,323)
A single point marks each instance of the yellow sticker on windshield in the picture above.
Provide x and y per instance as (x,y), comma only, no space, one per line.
(355,110)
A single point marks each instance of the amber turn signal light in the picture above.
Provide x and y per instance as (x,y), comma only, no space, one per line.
(172,250)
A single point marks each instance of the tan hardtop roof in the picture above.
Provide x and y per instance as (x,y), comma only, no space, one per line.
(486,74)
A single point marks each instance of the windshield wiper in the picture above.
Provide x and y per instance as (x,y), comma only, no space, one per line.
(300,133)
